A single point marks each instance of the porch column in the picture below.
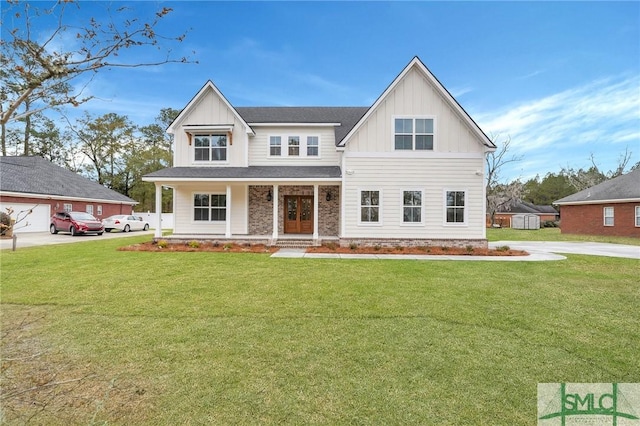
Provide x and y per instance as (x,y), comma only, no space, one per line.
(275,213)
(158,231)
(315,213)
(227,231)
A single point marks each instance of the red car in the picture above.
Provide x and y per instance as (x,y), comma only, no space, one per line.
(76,223)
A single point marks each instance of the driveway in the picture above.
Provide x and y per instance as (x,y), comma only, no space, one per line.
(595,249)
(31,239)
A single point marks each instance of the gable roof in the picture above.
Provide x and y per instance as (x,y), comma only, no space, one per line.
(37,176)
(343,117)
(524,207)
(201,93)
(620,189)
(418,64)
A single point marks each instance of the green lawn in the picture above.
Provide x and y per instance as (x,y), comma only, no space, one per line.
(201,338)
(552,234)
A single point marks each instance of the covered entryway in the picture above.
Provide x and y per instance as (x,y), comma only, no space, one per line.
(298,217)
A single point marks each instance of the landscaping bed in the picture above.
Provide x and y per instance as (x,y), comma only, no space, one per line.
(196,246)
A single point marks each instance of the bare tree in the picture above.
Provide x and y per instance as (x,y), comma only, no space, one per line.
(582,179)
(34,71)
(501,195)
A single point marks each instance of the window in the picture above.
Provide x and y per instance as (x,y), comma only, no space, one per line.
(413,134)
(209,207)
(294,146)
(637,215)
(99,209)
(412,206)
(312,146)
(90,209)
(608,216)
(210,148)
(370,206)
(68,207)
(275,146)
(455,202)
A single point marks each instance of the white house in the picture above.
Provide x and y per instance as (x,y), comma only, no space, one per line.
(408,170)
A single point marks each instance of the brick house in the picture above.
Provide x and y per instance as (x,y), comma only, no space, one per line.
(610,208)
(33,183)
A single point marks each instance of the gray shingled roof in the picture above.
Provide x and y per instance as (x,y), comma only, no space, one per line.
(35,175)
(251,172)
(625,187)
(346,116)
(524,207)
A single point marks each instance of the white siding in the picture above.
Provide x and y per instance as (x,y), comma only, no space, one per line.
(184,223)
(259,146)
(433,176)
(210,110)
(414,96)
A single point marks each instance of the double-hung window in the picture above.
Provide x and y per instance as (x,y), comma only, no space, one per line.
(412,206)
(608,216)
(455,205)
(209,207)
(90,209)
(275,146)
(312,146)
(298,146)
(370,206)
(413,134)
(294,146)
(210,147)
(637,215)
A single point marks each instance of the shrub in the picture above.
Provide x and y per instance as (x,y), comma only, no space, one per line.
(5,223)
(444,248)
(331,245)
(353,246)
(503,248)
(162,244)
(399,248)
(193,244)
(469,249)
(377,247)
(227,246)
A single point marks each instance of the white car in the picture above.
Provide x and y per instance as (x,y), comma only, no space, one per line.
(125,223)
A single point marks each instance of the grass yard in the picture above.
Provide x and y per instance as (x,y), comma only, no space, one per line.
(92,335)
(553,234)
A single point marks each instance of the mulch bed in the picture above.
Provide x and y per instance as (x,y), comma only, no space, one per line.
(261,248)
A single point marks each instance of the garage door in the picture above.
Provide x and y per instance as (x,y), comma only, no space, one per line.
(38,221)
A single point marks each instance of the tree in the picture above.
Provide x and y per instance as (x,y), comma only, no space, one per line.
(582,179)
(548,189)
(34,72)
(501,195)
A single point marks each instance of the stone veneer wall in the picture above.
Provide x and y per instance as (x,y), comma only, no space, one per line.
(261,210)
(409,242)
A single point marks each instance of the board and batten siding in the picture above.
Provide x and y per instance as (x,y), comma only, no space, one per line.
(210,110)
(414,96)
(259,146)
(183,220)
(433,176)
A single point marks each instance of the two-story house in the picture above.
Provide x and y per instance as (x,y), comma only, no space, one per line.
(408,170)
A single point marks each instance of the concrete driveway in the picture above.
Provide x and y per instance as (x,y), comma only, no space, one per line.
(595,249)
(31,239)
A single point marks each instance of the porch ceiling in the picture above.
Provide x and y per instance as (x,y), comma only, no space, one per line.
(251,173)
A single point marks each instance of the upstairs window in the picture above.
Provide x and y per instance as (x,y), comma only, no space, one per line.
(210,148)
(209,207)
(294,146)
(312,146)
(413,134)
(275,146)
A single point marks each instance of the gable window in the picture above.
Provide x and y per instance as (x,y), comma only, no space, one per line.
(637,215)
(275,146)
(370,206)
(608,216)
(412,206)
(294,146)
(209,207)
(312,146)
(210,147)
(413,134)
(455,205)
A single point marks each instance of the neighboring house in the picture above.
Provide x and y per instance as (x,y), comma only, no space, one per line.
(33,183)
(407,170)
(610,208)
(504,219)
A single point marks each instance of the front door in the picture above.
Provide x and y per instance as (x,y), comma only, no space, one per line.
(298,216)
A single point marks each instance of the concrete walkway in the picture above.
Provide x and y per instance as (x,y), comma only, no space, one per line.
(538,251)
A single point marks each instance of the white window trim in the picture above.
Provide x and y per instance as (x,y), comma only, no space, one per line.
(67,207)
(413,138)
(99,210)
(402,222)
(210,221)
(444,205)
(284,145)
(604,216)
(195,162)
(359,211)
(89,209)
(637,217)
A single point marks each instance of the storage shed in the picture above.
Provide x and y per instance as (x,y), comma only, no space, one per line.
(525,221)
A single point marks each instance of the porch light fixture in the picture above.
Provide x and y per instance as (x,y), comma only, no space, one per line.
(269,196)
(328,196)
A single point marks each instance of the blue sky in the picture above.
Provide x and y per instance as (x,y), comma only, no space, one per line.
(561,79)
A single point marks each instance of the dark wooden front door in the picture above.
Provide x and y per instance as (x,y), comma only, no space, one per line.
(298,214)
